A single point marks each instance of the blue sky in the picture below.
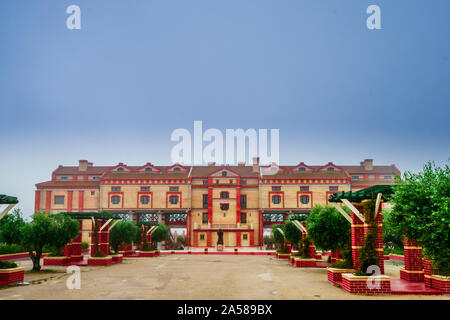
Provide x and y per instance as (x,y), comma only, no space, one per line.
(116,89)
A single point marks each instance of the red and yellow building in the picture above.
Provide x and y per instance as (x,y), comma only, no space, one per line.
(241,200)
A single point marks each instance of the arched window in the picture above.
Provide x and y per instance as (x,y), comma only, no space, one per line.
(276,199)
(224,173)
(304,199)
(173,199)
(120,169)
(224,206)
(224,194)
(115,199)
(145,199)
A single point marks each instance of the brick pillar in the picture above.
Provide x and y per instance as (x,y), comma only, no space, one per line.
(427,268)
(261,230)
(413,270)
(103,238)
(48,201)
(37,201)
(238,239)
(76,254)
(357,228)
(312,251)
(335,255)
(379,240)
(188,229)
(210,196)
(252,238)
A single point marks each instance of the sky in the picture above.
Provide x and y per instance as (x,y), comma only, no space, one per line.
(115,90)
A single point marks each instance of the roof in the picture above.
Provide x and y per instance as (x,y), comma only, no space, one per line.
(4,199)
(68,183)
(204,171)
(363,194)
(392,169)
(89,215)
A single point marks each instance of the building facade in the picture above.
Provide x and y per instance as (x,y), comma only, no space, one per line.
(241,200)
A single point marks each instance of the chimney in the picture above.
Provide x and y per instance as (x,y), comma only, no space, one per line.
(90,164)
(367,164)
(83,165)
(241,164)
(256,165)
(211,164)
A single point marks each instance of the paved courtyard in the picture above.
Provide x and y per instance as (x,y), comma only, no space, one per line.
(191,277)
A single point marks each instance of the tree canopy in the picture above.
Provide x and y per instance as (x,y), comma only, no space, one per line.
(123,232)
(421,211)
(160,234)
(328,228)
(10,227)
(292,233)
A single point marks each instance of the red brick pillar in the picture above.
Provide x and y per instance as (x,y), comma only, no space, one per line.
(335,255)
(69,200)
(312,251)
(413,270)
(379,240)
(188,229)
(428,269)
(252,238)
(289,247)
(195,242)
(76,254)
(103,238)
(261,230)
(37,201)
(357,228)
(48,201)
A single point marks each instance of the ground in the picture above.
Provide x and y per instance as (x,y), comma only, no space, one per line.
(191,277)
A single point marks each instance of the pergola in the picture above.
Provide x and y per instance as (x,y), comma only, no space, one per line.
(6,204)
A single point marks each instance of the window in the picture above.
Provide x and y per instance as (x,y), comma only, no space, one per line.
(276,188)
(145,188)
(64,178)
(224,195)
(244,236)
(387,177)
(243,181)
(355,177)
(176,169)
(205,218)
(301,169)
(224,173)
(145,199)
(276,199)
(334,188)
(371,177)
(231,181)
(92,193)
(205,201)
(205,181)
(115,188)
(304,199)
(173,199)
(120,169)
(59,200)
(243,217)
(115,199)
(148,169)
(243,201)
(95,178)
(330,169)
(304,188)
(202,237)
(173,189)
(224,206)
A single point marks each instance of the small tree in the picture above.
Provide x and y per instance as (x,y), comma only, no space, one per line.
(159,234)
(292,233)
(421,212)
(368,254)
(64,229)
(181,240)
(10,227)
(330,231)
(123,232)
(279,238)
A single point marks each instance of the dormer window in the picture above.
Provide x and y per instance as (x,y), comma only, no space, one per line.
(176,169)
(224,194)
(224,173)
(148,169)
(330,169)
(120,169)
(302,169)
(64,178)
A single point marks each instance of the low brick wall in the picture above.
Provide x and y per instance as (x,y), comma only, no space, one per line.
(441,283)
(358,284)
(335,275)
(412,275)
(118,258)
(13,275)
(396,257)
(148,254)
(305,263)
(100,261)
(283,255)
(56,261)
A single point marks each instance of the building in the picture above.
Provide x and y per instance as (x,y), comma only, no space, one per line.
(241,200)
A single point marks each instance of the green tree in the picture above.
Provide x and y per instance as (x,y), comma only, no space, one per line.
(123,232)
(292,233)
(328,228)
(392,238)
(10,227)
(46,230)
(159,234)
(421,212)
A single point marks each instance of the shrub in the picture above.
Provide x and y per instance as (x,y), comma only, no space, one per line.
(11,248)
(159,234)
(292,233)
(7,265)
(84,245)
(123,232)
